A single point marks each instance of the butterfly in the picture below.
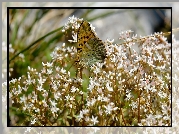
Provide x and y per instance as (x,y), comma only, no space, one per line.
(90,48)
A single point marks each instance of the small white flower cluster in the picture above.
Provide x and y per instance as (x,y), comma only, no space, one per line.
(61,53)
(125,35)
(130,88)
(140,77)
(73,23)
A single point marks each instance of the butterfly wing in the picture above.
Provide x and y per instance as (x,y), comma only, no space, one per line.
(90,48)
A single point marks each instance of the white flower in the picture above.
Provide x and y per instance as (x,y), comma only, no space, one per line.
(108,86)
(23,99)
(80,116)
(162,94)
(70,105)
(134,105)
(85,111)
(92,84)
(40,88)
(21,55)
(54,86)
(26,106)
(40,80)
(72,98)
(33,121)
(128,96)
(91,103)
(73,89)
(54,109)
(44,103)
(97,70)
(63,30)
(19,90)
(49,71)
(28,81)
(105,99)
(94,120)
(100,97)
(74,36)
(57,95)
(167,117)
(53,103)
(87,119)
(110,108)
(81,92)
(67,98)
(63,71)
